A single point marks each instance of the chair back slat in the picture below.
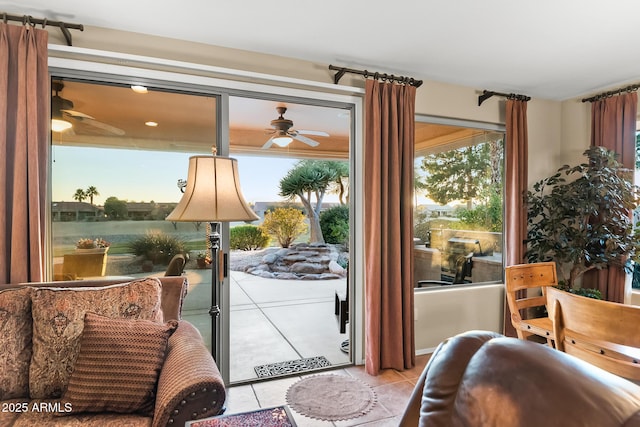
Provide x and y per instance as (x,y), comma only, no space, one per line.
(604,333)
(524,285)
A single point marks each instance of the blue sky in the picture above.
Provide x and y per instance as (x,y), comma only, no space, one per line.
(142,176)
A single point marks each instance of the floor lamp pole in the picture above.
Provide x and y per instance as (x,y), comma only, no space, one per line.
(214,311)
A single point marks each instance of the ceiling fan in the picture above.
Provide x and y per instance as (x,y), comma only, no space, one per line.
(283,133)
(63,114)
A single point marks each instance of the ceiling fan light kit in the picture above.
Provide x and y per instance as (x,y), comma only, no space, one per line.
(282,141)
(59,125)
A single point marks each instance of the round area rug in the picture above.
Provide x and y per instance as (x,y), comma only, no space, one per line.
(331,397)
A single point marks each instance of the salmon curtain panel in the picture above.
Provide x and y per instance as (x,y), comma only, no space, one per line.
(516,184)
(388,169)
(613,126)
(24,117)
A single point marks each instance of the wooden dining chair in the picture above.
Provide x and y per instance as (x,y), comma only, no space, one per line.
(524,288)
(603,333)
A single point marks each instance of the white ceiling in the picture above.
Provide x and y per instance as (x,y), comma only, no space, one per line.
(553,49)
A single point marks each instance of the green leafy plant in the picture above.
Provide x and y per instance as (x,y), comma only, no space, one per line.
(334,223)
(579,217)
(157,246)
(248,237)
(286,224)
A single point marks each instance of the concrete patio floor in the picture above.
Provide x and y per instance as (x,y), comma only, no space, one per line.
(271,320)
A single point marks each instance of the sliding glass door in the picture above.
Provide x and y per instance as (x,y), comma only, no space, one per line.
(118,165)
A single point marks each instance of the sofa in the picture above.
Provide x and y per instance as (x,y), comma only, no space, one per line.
(483,379)
(103,353)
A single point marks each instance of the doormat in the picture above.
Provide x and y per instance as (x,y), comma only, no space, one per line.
(291,366)
(331,397)
(278,416)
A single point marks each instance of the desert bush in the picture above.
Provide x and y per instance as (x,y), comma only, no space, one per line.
(248,237)
(157,246)
(334,223)
(286,224)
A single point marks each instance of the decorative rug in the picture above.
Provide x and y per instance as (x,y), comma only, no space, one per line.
(331,397)
(278,416)
(291,366)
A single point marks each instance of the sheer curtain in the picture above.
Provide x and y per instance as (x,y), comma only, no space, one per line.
(389,147)
(516,183)
(613,126)
(24,117)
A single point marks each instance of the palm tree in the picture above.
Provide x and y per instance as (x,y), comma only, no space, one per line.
(91,192)
(80,195)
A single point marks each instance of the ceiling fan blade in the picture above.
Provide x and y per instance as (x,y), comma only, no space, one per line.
(78,114)
(111,129)
(312,132)
(268,144)
(306,140)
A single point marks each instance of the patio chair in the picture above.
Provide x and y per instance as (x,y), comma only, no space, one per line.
(464,266)
(524,287)
(603,333)
(342,307)
(176,265)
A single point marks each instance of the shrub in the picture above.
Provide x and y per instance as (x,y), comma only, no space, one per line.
(157,247)
(248,237)
(334,223)
(286,224)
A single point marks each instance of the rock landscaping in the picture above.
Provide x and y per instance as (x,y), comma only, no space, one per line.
(302,261)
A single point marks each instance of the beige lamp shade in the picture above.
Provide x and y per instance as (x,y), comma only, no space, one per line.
(213,192)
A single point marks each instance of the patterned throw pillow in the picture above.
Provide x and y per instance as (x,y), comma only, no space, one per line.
(118,365)
(58,321)
(15,342)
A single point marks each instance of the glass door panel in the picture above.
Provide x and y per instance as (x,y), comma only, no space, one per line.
(286,268)
(114,180)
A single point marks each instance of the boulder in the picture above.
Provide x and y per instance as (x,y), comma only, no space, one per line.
(286,276)
(307,267)
(270,258)
(336,268)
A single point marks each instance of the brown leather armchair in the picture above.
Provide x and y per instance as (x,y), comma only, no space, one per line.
(483,379)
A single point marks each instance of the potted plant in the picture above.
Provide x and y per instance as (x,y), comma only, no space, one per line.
(203,259)
(580,217)
(98,245)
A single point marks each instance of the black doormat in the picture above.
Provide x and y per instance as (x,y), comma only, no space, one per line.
(291,366)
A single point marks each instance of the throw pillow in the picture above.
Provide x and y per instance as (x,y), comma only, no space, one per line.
(15,342)
(58,321)
(118,365)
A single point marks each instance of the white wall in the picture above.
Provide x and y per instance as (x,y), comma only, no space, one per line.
(444,312)
(635,297)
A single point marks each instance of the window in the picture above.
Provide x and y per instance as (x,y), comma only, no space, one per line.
(458,196)
(115,174)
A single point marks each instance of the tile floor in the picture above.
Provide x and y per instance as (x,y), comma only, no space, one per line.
(392,388)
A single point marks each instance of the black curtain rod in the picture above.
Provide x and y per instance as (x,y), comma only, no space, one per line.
(486,94)
(631,88)
(30,20)
(382,76)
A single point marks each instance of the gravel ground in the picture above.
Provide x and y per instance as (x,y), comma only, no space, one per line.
(239,260)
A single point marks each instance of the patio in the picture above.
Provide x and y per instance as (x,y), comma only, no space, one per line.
(271,321)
